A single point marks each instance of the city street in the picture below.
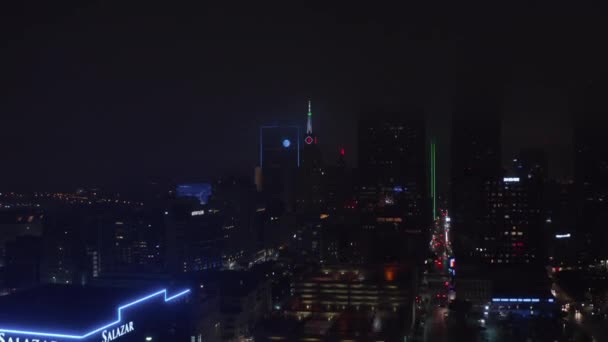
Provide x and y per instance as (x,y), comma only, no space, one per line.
(435,327)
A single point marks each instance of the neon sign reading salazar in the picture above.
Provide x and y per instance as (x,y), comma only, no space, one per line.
(109,332)
(115,333)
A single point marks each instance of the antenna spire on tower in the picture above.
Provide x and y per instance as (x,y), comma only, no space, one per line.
(309,120)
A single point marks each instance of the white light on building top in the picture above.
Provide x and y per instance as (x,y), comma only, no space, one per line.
(198,213)
(510,179)
(562,236)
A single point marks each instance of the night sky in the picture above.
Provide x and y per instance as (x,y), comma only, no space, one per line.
(110,93)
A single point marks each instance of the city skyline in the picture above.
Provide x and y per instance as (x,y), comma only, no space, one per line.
(226,172)
(123,100)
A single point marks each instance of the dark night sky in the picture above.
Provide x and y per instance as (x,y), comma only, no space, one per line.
(107,92)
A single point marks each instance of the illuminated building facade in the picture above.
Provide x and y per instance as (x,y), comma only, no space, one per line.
(346,303)
(510,233)
(334,289)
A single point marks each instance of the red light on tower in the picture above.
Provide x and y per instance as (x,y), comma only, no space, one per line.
(342,152)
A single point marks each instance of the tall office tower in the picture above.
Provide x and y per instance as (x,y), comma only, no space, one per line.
(195,236)
(310,194)
(392,195)
(591,168)
(476,150)
(510,232)
(560,224)
(279,160)
(531,168)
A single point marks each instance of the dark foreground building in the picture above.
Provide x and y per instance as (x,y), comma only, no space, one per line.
(58,313)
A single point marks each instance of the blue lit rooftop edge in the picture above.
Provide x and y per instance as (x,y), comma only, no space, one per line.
(104,326)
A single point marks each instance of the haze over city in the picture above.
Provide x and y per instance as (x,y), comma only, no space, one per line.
(251,171)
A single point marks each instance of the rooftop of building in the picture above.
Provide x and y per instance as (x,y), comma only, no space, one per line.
(71,309)
(397,274)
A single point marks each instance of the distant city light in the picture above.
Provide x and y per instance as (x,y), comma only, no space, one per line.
(562,236)
(198,213)
(286,143)
(510,179)
(342,151)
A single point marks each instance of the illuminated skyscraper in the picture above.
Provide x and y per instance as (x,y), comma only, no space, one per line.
(510,231)
(311,175)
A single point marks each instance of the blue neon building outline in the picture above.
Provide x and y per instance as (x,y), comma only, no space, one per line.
(279,126)
(105,326)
